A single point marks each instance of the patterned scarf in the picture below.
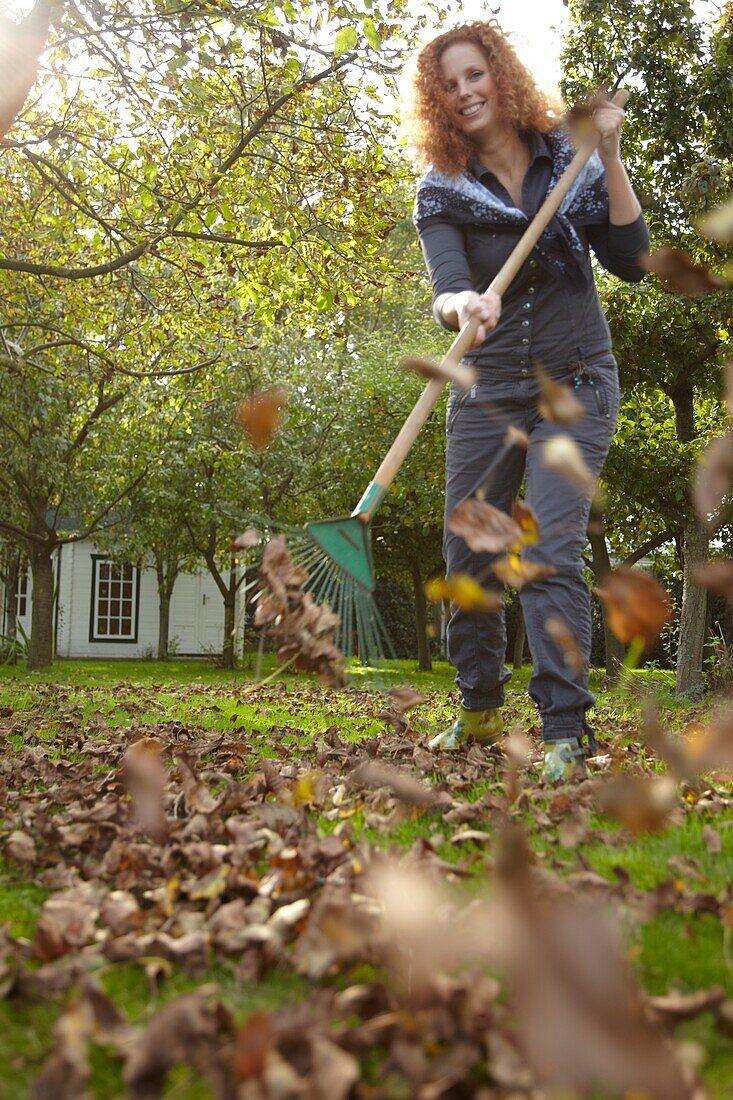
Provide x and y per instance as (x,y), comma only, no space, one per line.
(463,200)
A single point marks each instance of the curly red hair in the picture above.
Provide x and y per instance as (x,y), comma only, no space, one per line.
(436,140)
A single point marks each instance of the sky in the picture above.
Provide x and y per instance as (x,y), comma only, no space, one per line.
(536,26)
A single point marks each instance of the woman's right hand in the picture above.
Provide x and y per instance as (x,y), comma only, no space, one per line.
(461,307)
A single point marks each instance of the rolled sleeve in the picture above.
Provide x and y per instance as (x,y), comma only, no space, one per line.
(444,249)
(618,247)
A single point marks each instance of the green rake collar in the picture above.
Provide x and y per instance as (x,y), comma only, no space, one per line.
(346,542)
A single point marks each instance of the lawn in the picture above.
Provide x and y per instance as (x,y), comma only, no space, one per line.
(173,829)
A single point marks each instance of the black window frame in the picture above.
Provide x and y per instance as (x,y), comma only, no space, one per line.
(102,559)
(21,594)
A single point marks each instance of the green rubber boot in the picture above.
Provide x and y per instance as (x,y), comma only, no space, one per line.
(561,757)
(485,726)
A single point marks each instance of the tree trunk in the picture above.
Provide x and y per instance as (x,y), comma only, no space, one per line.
(40,652)
(230,624)
(166,580)
(519,639)
(11,578)
(689,682)
(424,661)
(601,564)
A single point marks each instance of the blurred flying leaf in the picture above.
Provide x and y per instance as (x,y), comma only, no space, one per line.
(557,401)
(464,592)
(446,371)
(712,479)
(484,527)
(679,273)
(641,804)
(565,640)
(717,224)
(525,518)
(716,576)
(562,454)
(245,541)
(260,415)
(636,604)
(516,571)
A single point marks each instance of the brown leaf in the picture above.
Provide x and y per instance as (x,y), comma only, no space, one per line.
(464,592)
(712,479)
(121,912)
(252,1043)
(565,640)
(640,804)
(484,527)
(334,1072)
(557,402)
(403,786)
(21,847)
(66,924)
(303,631)
(563,455)
(145,778)
(197,795)
(636,604)
(260,415)
(182,1031)
(717,576)
(245,541)
(516,571)
(404,698)
(679,273)
(67,1070)
(447,371)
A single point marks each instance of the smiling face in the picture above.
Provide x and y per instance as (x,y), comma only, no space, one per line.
(470,89)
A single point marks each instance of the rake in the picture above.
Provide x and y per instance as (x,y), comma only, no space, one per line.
(337,553)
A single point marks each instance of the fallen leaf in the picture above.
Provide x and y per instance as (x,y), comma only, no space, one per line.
(679,273)
(252,1044)
(636,604)
(260,415)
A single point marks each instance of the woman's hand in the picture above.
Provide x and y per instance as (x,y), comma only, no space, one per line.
(461,307)
(608,120)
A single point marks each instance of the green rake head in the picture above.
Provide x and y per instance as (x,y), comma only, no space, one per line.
(346,542)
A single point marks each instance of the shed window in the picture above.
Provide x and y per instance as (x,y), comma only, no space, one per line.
(114,601)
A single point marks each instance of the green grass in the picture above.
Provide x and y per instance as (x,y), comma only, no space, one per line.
(674,950)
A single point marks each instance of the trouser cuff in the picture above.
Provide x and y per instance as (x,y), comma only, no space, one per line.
(562,726)
(483,702)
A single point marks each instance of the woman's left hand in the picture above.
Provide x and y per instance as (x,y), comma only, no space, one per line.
(608,120)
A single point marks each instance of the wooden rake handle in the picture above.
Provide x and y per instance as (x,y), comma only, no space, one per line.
(409,431)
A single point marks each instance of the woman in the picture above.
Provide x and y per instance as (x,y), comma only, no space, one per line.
(495,149)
